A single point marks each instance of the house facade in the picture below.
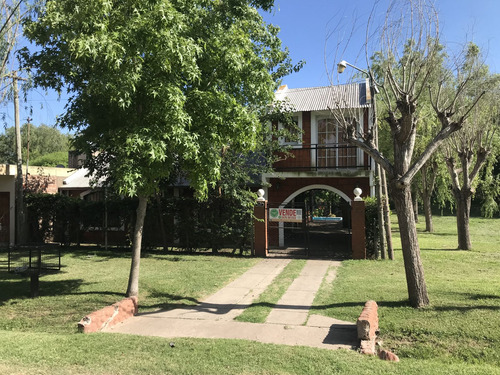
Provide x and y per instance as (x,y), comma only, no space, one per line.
(47,178)
(322,159)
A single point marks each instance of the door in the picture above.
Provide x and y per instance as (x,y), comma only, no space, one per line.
(327,140)
(333,151)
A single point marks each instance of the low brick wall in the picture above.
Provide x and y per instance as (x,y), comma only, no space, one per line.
(367,326)
(109,316)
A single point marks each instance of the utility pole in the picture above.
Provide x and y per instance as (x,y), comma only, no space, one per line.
(19,159)
(28,149)
(19,162)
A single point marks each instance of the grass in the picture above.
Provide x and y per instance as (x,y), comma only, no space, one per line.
(123,354)
(90,280)
(464,288)
(258,311)
(457,334)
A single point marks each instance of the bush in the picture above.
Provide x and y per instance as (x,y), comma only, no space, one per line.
(187,223)
(371,227)
(51,216)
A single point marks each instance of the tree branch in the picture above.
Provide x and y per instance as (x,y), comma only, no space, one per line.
(374,153)
(450,164)
(431,148)
(481,157)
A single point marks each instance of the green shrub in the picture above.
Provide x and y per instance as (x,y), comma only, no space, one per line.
(371,227)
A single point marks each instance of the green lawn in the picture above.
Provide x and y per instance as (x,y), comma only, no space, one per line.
(463,286)
(458,334)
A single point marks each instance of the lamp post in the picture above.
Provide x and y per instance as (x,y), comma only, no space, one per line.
(383,212)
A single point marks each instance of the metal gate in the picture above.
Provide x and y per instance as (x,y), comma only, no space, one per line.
(312,237)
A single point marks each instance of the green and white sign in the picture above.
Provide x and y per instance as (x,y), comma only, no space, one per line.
(290,215)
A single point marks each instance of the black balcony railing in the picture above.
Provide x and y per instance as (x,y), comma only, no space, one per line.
(316,157)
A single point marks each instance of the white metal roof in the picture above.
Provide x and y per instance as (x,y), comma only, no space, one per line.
(79,179)
(353,95)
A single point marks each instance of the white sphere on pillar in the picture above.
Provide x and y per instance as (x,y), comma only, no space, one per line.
(261,193)
(357,194)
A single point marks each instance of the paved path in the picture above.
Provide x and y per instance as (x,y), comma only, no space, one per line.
(288,322)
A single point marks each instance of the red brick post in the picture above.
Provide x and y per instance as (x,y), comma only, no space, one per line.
(358,229)
(260,229)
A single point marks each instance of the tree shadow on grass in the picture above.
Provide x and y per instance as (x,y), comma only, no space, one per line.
(464,309)
(16,286)
(20,288)
(470,302)
(101,255)
(361,304)
(96,254)
(437,234)
(443,249)
(176,302)
(173,301)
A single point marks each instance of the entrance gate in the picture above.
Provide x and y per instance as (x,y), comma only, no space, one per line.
(312,236)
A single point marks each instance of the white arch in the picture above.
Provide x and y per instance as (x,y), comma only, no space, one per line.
(316,187)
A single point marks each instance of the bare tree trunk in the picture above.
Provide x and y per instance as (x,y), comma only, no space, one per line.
(417,290)
(380,213)
(463,199)
(429,173)
(387,219)
(414,196)
(133,281)
(463,192)
(426,197)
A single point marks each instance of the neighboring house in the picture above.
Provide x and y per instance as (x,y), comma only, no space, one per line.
(78,186)
(322,159)
(49,179)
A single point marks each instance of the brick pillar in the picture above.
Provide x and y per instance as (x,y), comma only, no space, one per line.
(260,229)
(358,229)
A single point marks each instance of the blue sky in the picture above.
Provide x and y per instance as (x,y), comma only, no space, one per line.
(305,25)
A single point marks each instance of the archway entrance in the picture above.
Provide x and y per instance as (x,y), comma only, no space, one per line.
(324,228)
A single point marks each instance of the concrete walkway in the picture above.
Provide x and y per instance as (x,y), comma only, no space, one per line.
(287,324)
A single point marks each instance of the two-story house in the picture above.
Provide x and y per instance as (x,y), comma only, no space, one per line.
(322,159)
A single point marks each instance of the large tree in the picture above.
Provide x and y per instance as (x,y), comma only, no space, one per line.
(43,140)
(404,69)
(157,84)
(467,151)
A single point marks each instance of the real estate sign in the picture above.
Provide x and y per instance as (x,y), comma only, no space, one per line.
(290,215)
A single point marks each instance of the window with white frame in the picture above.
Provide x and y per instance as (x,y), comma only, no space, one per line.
(297,119)
(332,149)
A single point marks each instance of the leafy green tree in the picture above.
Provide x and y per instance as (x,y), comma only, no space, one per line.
(51,160)
(241,171)
(489,186)
(157,85)
(43,140)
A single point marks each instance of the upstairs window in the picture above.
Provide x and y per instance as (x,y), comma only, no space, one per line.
(292,140)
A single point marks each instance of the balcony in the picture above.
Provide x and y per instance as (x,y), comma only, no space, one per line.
(316,157)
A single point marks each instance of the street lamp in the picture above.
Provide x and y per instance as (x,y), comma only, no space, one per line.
(344,64)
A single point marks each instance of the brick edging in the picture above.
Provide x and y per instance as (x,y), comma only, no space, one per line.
(367,326)
(368,330)
(109,315)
